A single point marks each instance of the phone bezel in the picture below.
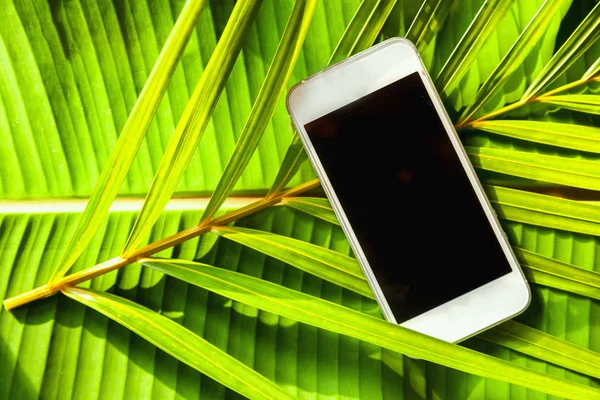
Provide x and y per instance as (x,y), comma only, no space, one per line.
(354,78)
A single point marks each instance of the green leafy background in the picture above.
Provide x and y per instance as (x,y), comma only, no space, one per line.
(70,72)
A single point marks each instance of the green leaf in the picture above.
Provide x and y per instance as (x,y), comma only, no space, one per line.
(592,71)
(196,115)
(314,311)
(428,22)
(121,157)
(546,211)
(586,103)
(553,273)
(554,169)
(527,340)
(358,36)
(68,349)
(181,343)
(316,207)
(264,106)
(538,269)
(465,53)
(515,56)
(574,47)
(324,263)
(362,29)
(570,136)
(294,157)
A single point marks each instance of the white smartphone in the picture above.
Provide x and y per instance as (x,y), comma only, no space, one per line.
(406,194)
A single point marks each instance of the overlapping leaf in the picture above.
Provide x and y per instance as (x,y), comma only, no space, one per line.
(358,36)
(577,44)
(326,264)
(570,136)
(264,106)
(515,56)
(546,211)
(181,343)
(525,339)
(428,22)
(195,117)
(313,311)
(554,169)
(465,53)
(121,157)
(586,103)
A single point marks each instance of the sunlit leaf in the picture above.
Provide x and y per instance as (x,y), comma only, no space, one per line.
(547,211)
(181,343)
(316,260)
(466,51)
(527,340)
(586,103)
(329,316)
(363,28)
(570,136)
(428,22)
(294,157)
(196,115)
(121,157)
(592,71)
(359,35)
(314,206)
(553,273)
(264,105)
(515,56)
(577,44)
(554,169)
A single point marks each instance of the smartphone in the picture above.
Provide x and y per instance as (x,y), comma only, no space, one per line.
(406,195)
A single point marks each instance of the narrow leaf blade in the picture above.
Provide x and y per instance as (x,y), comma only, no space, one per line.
(264,105)
(586,103)
(467,49)
(592,71)
(428,22)
(359,35)
(530,341)
(323,314)
(316,207)
(316,260)
(181,343)
(121,157)
(554,169)
(576,45)
(362,29)
(559,275)
(294,157)
(515,56)
(196,115)
(570,136)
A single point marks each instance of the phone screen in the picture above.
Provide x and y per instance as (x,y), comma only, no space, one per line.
(407,197)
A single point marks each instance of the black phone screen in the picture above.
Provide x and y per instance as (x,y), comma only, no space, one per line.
(407,197)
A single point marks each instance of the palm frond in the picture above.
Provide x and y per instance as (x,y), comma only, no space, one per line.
(324,263)
(515,56)
(527,340)
(570,136)
(121,157)
(465,53)
(181,343)
(264,106)
(574,47)
(585,103)
(313,311)
(581,173)
(196,115)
